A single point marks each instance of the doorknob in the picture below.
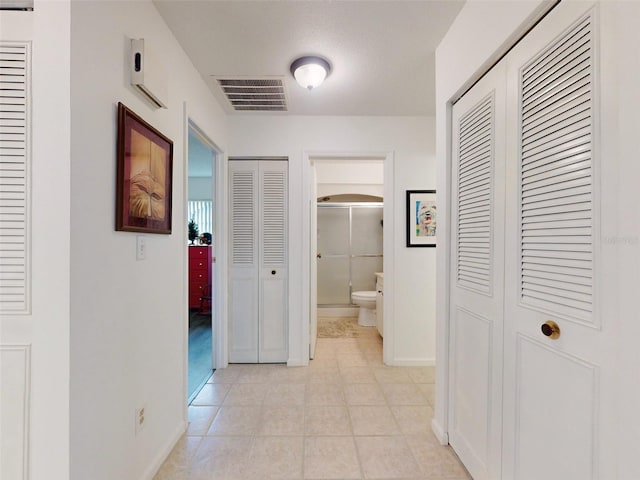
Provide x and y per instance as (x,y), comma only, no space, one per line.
(319,255)
(273,272)
(550,329)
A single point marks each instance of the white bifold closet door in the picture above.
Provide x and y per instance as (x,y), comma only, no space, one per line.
(553,385)
(258,322)
(527,347)
(477,275)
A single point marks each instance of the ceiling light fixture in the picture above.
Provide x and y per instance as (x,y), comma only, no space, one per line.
(310,71)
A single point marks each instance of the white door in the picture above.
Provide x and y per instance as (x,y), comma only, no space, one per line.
(313,262)
(272,316)
(477,275)
(243,265)
(551,382)
(258,319)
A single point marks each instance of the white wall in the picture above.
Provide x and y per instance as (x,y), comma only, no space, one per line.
(412,143)
(480,33)
(620,241)
(128,317)
(329,189)
(46,329)
(344,176)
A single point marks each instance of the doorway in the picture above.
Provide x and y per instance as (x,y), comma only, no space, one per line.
(340,188)
(201,259)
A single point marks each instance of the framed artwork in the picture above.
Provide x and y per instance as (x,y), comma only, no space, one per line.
(421,218)
(145,162)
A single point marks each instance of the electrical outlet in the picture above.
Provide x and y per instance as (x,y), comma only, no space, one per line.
(140,419)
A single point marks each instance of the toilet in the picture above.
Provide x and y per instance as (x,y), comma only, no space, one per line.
(366,300)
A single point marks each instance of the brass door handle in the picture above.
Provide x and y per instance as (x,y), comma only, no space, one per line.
(550,329)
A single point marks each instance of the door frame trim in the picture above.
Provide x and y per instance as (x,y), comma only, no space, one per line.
(219,300)
(388,229)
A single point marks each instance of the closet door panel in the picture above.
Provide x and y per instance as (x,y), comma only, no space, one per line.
(243,312)
(243,288)
(477,275)
(552,386)
(272,318)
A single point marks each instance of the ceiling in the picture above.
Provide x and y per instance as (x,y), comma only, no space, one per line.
(381,52)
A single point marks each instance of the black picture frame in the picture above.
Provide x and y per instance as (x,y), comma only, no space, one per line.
(421,218)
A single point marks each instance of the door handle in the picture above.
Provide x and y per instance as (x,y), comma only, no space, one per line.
(273,272)
(319,255)
(550,329)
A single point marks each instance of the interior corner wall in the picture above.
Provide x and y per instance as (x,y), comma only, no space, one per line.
(128,317)
(480,34)
(411,141)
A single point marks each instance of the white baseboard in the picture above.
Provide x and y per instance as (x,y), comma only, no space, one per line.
(163,454)
(413,362)
(338,311)
(441,435)
(297,362)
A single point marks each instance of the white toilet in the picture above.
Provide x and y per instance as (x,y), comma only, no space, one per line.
(366,300)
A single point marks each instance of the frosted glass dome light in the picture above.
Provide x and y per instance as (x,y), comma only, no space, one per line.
(310,72)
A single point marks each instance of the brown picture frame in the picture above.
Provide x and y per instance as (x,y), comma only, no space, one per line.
(144,176)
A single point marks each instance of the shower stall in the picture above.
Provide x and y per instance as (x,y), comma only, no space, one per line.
(349,250)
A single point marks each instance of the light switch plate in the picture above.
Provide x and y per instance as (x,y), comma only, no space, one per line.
(141,247)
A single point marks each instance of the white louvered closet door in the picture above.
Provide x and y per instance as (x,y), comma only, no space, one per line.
(272,324)
(258,319)
(243,267)
(477,283)
(551,385)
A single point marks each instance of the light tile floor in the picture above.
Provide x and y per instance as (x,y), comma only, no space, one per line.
(345,416)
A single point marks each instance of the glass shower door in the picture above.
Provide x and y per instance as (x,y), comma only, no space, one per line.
(366,246)
(334,256)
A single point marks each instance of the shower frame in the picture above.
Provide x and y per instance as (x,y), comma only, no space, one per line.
(350,255)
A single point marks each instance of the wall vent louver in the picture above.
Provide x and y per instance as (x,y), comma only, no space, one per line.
(254,95)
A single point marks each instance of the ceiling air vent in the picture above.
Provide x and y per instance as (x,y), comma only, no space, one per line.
(254,95)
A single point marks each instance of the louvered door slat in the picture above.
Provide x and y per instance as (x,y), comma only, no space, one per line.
(474,142)
(14,180)
(570,269)
(242,217)
(557,121)
(565,103)
(556,81)
(273,218)
(544,62)
(555,161)
(469,124)
(557,194)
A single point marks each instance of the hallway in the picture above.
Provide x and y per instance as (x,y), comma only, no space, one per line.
(346,416)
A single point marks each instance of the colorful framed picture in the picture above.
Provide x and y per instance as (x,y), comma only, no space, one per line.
(144,176)
(421,218)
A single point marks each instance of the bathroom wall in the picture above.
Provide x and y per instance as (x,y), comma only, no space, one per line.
(338,176)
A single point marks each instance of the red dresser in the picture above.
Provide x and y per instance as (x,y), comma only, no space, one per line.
(199,273)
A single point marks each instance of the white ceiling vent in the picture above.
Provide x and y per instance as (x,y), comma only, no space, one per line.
(254,95)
